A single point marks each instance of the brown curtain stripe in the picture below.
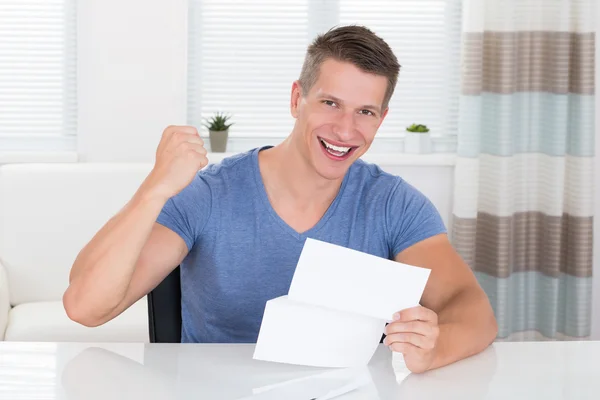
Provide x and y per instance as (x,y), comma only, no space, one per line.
(528,61)
(528,241)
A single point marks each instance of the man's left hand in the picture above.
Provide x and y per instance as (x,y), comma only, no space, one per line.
(414,332)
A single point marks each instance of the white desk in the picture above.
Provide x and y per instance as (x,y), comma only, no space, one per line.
(558,370)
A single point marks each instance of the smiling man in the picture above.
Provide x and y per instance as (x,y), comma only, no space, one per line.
(237,228)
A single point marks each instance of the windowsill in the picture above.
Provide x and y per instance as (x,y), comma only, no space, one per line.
(19,157)
(406,159)
(384,151)
(383,159)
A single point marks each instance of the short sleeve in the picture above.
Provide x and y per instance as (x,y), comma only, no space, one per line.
(187,212)
(410,217)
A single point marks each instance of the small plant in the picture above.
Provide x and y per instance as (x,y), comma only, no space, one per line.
(218,123)
(418,128)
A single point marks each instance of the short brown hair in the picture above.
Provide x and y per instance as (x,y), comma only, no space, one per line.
(357,45)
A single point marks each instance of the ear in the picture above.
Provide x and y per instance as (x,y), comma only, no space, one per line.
(295,98)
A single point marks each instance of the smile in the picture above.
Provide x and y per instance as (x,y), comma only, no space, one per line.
(339,152)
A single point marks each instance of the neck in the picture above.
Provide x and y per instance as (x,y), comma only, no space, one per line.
(289,176)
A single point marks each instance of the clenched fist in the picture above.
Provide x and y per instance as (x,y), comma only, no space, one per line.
(179,156)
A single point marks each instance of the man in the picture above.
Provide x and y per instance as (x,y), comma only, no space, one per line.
(237,228)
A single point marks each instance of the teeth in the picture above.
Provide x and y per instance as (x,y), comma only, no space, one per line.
(336,148)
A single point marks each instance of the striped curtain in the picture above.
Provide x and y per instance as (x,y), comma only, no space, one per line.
(522,214)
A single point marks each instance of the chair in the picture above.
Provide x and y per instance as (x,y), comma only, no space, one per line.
(164,310)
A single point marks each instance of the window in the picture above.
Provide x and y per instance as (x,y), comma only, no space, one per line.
(243,57)
(37,74)
(425,36)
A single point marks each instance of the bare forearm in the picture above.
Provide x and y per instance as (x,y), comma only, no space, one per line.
(102,272)
(130,225)
(467,326)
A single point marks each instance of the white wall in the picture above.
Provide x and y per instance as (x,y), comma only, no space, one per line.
(131,72)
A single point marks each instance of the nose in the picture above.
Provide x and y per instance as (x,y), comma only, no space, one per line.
(345,125)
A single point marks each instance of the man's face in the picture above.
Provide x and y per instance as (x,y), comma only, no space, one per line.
(336,121)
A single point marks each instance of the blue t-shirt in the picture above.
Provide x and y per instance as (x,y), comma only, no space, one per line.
(241,253)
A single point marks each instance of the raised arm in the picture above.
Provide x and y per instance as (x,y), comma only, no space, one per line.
(132,253)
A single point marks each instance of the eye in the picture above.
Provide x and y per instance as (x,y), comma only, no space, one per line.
(367,112)
(329,103)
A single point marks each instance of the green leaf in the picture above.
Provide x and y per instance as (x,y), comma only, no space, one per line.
(218,122)
(418,128)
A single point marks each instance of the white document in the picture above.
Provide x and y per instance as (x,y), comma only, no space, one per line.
(337,306)
(343,279)
(298,333)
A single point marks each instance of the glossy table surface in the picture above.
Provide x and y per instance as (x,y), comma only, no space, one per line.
(519,370)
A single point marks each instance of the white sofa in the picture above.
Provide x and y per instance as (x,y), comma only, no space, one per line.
(47,214)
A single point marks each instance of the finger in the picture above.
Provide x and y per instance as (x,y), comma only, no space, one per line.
(170,131)
(195,157)
(420,327)
(182,137)
(420,341)
(181,128)
(416,313)
(193,139)
(404,348)
(198,148)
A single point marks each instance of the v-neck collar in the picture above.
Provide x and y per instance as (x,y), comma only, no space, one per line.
(262,193)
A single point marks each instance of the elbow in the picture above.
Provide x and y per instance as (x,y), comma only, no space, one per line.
(488,325)
(77,311)
(492,329)
(491,326)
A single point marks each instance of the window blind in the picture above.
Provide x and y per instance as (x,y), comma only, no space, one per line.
(425,36)
(37,68)
(244,56)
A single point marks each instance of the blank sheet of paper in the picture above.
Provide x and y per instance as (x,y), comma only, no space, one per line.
(339,278)
(297,333)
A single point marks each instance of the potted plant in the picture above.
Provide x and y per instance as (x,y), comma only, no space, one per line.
(418,139)
(218,130)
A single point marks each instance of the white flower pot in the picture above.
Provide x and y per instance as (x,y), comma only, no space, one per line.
(417,143)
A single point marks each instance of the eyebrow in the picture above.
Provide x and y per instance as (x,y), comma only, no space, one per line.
(337,100)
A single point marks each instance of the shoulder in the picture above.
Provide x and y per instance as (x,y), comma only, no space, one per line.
(371,179)
(229,172)
(409,215)
(215,178)
(394,191)
(188,211)
(240,162)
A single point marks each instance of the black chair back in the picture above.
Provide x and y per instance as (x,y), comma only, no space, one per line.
(164,310)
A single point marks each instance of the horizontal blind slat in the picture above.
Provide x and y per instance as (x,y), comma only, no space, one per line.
(37,73)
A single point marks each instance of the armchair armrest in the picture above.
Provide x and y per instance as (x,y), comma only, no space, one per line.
(4,301)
